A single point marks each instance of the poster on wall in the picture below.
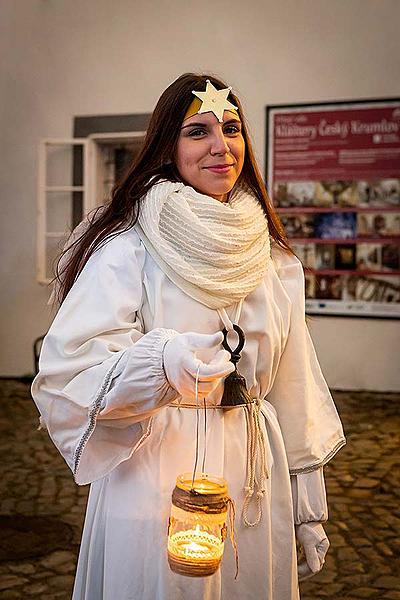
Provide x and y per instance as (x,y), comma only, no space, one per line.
(333,172)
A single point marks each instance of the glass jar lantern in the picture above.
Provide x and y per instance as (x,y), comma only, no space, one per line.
(197,525)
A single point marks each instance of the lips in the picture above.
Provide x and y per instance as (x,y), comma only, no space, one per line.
(224,168)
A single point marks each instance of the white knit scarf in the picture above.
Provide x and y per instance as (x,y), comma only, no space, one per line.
(216,252)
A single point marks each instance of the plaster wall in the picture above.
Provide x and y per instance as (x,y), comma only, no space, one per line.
(64,58)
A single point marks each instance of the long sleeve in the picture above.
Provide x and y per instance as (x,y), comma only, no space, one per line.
(100,375)
(307,415)
(309,497)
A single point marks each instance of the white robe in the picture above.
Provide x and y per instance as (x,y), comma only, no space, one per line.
(104,398)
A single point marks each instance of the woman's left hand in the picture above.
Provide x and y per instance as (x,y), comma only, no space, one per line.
(315,544)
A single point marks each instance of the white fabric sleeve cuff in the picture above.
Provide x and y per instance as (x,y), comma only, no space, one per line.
(309,497)
(139,387)
(120,418)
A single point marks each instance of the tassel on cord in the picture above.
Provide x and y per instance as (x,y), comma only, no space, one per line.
(235,392)
(235,389)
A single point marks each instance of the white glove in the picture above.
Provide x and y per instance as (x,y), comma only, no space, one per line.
(315,544)
(181,364)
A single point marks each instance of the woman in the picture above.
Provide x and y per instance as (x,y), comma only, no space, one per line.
(189,244)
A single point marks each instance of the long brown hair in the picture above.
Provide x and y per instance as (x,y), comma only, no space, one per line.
(156,162)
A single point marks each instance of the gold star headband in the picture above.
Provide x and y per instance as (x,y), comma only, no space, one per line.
(212,100)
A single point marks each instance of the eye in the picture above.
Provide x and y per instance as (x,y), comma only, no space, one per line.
(232,129)
(197,132)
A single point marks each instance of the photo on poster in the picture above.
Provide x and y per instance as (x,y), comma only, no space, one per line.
(328,287)
(388,192)
(310,286)
(280,196)
(365,224)
(349,288)
(369,257)
(342,193)
(306,254)
(349,195)
(367,194)
(298,226)
(301,193)
(325,256)
(375,289)
(378,225)
(294,193)
(392,225)
(345,257)
(390,257)
(379,193)
(335,225)
(323,197)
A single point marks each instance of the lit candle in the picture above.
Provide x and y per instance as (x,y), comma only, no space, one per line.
(195,542)
(196,535)
(193,547)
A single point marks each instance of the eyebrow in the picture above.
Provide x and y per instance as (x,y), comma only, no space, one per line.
(206,124)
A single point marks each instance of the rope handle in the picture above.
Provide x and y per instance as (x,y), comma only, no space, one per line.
(193,491)
(232,516)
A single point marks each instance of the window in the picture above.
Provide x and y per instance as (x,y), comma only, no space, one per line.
(75,176)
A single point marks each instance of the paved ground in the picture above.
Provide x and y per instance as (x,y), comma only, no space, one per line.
(363,488)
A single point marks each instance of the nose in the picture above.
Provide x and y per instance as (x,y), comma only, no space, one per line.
(219,144)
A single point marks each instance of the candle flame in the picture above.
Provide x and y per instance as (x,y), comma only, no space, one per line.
(193,547)
(195,544)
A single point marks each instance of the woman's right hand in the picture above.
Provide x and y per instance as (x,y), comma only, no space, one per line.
(181,364)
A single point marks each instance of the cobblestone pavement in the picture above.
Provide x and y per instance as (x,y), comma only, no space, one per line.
(363,492)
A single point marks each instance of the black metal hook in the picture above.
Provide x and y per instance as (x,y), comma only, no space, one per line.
(235,354)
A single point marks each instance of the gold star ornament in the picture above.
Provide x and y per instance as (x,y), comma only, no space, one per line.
(212,100)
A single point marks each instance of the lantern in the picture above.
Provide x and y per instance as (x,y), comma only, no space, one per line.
(197,525)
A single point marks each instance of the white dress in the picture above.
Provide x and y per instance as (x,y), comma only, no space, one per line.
(104,398)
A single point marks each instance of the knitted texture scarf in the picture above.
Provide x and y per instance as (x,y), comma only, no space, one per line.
(216,252)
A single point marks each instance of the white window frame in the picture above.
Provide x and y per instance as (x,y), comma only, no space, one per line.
(43,189)
(89,189)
